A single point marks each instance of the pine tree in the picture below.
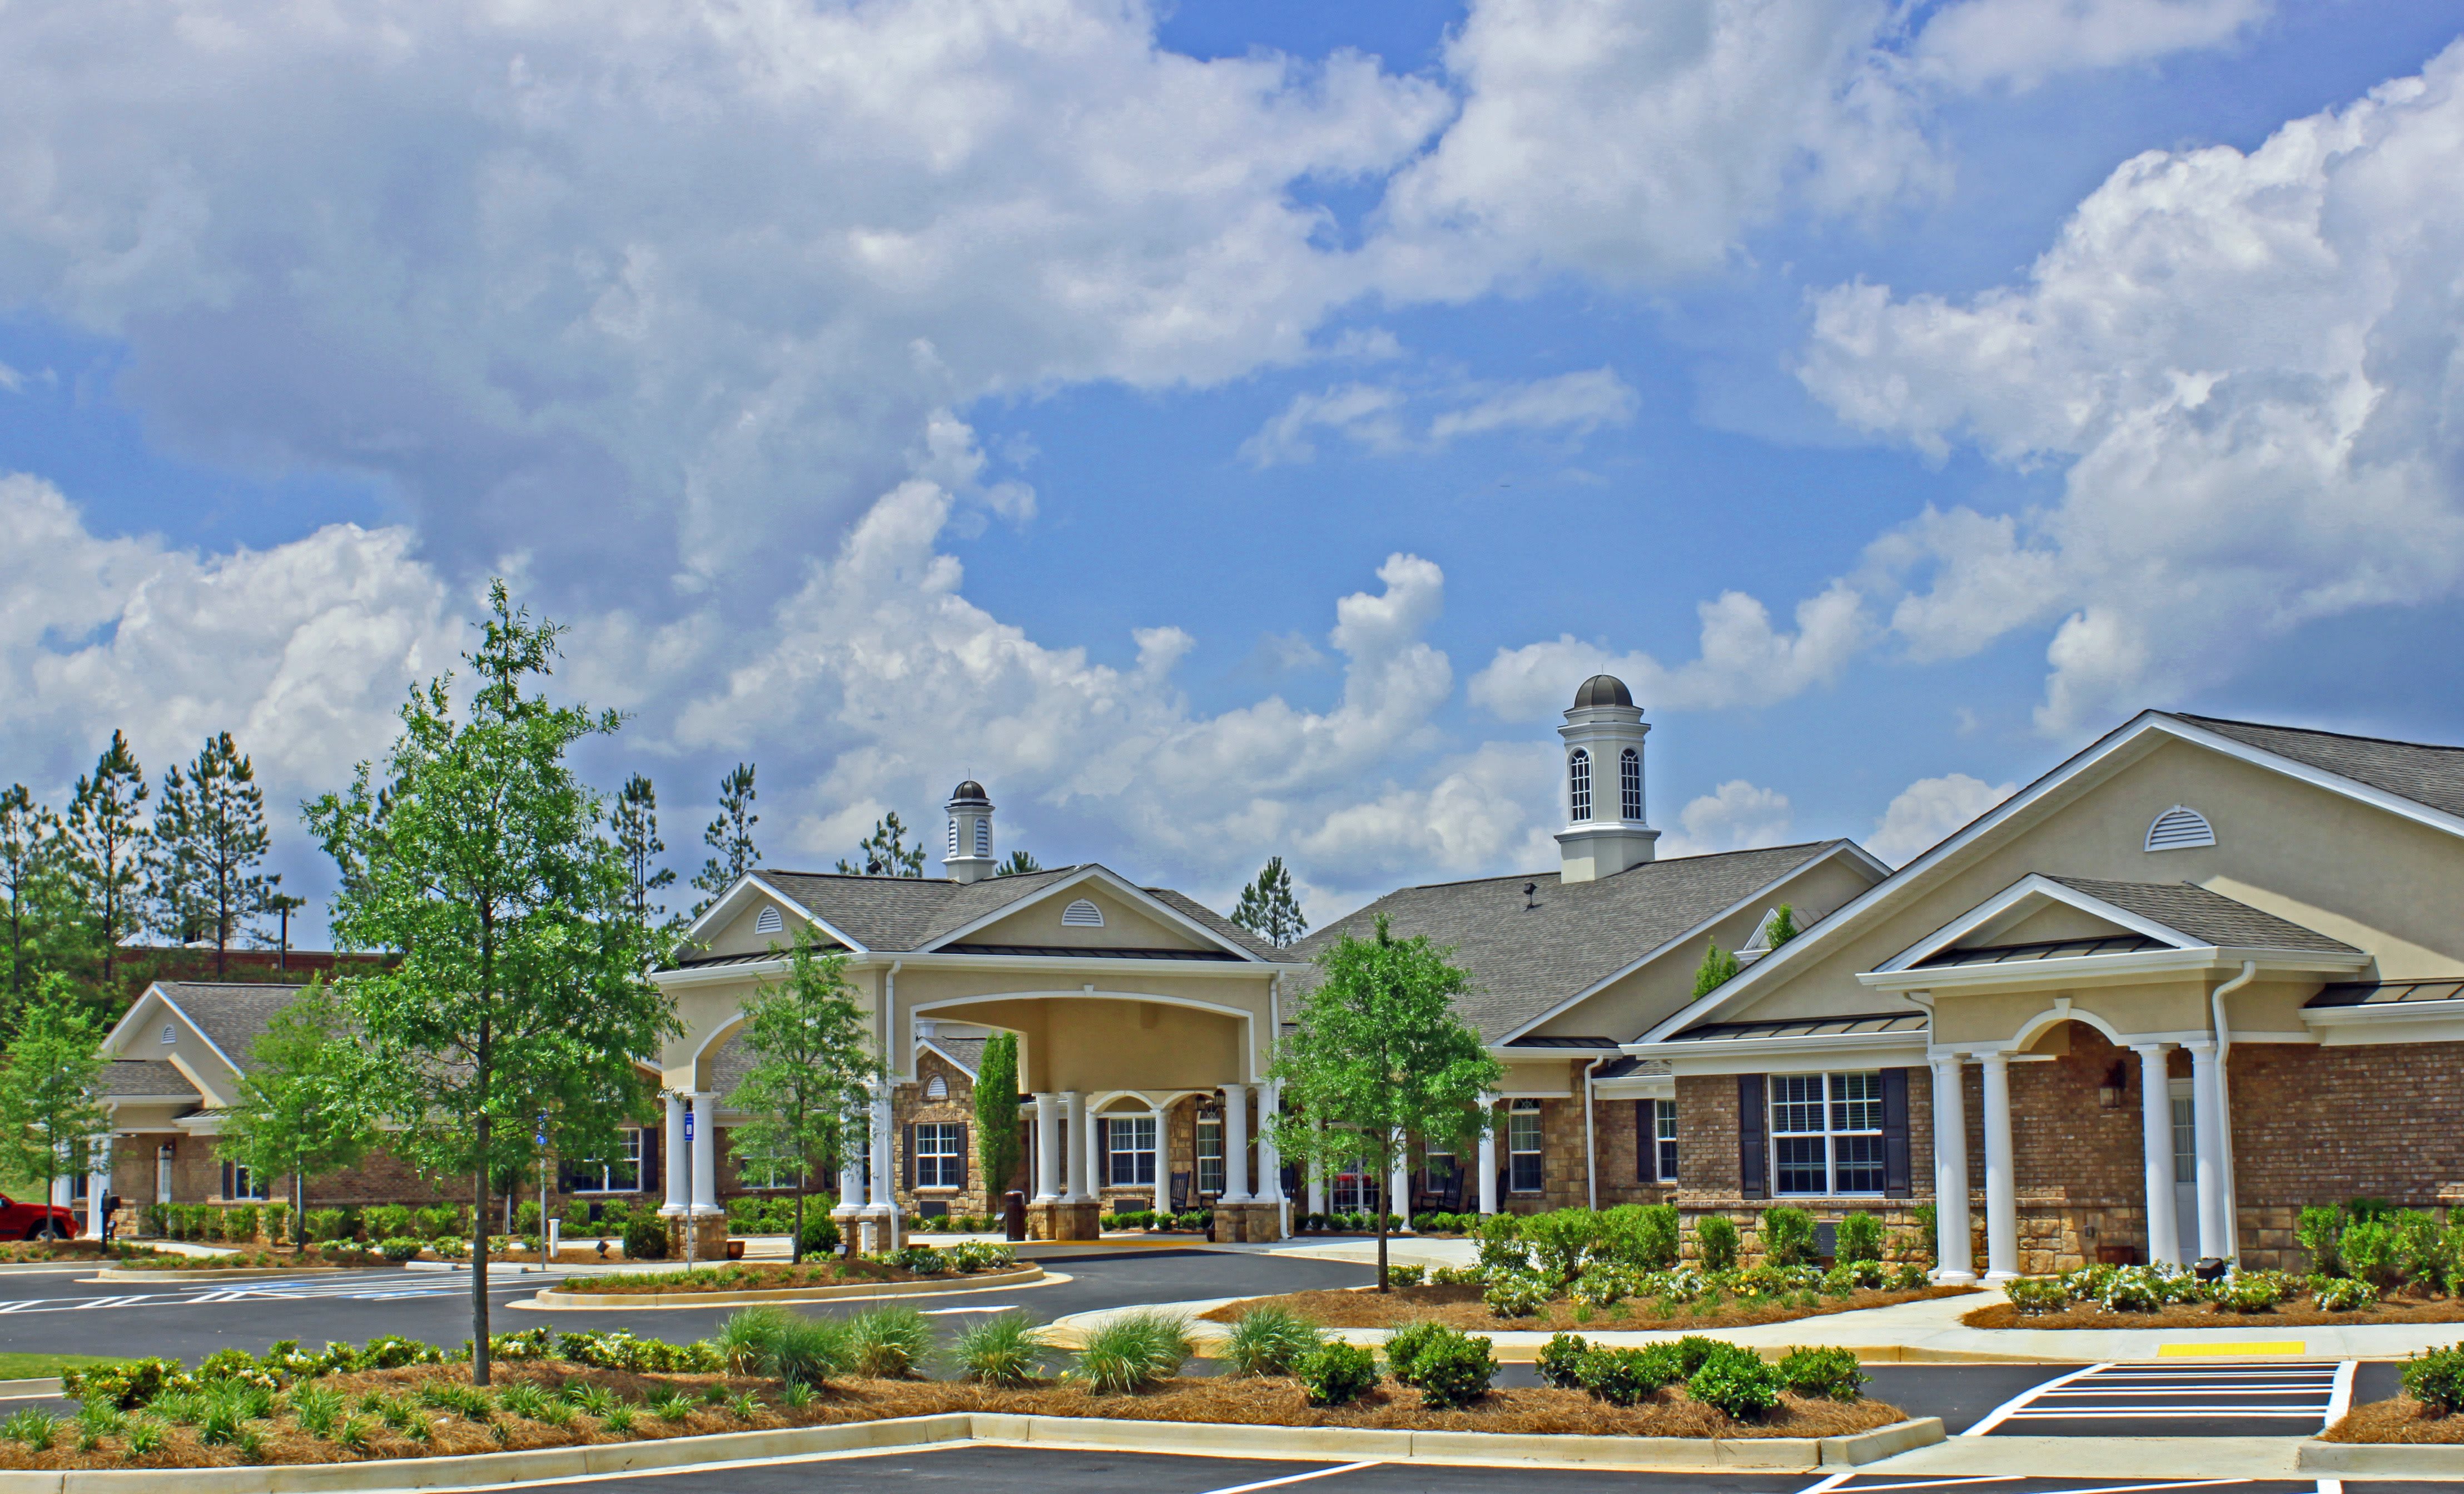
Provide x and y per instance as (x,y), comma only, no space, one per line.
(1781,927)
(1718,967)
(885,852)
(635,823)
(1019,865)
(107,844)
(1267,908)
(731,835)
(31,881)
(210,839)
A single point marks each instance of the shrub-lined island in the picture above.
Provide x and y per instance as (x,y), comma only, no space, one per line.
(395,1397)
(2430,1409)
(913,1263)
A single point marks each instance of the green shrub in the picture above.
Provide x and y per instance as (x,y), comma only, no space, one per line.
(1563,1239)
(2250,1291)
(1337,1373)
(1715,1242)
(389,1221)
(2368,1248)
(1787,1236)
(1654,1238)
(276,1217)
(1603,1284)
(2361,1211)
(2342,1293)
(1517,1294)
(806,1351)
(1453,1369)
(1829,1373)
(646,1236)
(33,1427)
(1910,1277)
(2318,1230)
(1406,1275)
(1404,1344)
(325,1224)
(2435,1378)
(2420,1247)
(1560,1360)
(1694,1350)
(1627,1376)
(401,1248)
(1268,1341)
(437,1221)
(1003,1351)
(2034,1294)
(126,1386)
(1735,1381)
(1858,1238)
(888,1342)
(821,1235)
(1132,1352)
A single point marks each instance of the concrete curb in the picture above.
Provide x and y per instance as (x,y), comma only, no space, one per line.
(28,1390)
(982,1281)
(1773,1454)
(237,1273)
(2383,1459)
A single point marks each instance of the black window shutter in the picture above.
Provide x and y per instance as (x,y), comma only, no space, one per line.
(649,1159)
(909,1134)
(962,1153)
(1646,1142)
(1753,1156)
(1103,1153)
(1895,1133)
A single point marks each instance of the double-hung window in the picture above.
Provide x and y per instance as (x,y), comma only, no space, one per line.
(619,1173)
(1826,1133)
(240,1182)
(1130,1140)
(1663,1139)
(940,1155)
(1210,1155)
(1523,1169)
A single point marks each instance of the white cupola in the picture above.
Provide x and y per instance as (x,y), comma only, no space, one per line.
(1602,784)
(970,856)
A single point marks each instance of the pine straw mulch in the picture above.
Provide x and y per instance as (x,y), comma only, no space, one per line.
(778,1276)
(259,1258)
(1244,1402)
(1460,1306)
(2402,1420)
(36,1252)
(2302,1311)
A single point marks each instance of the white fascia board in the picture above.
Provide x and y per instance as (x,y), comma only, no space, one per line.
(1246,969)
(2032,885)
(2419,1029)
(2317,778)
(172,1006)
(718,975)
(1796,1055)
(2383,1015)
(1848,849)
(746,887)
(1119,885)
(947,1057)
(130,1018)
(1635,1086)
(2108,968)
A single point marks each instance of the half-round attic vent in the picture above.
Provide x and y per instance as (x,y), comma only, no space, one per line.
(1082,914)
(2178,828)
(768,921)
(937,1087)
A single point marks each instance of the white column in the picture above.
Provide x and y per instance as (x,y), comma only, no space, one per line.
(2214,1203)
(1954,1256)
(1270,1162)
(1317,1175)
(2156,1142)
(679,1158)
(705,1153)
(850,1164)
(1236,1144)
(1398,1182)
(98,1182)
(1489,1154)
(1073,1188)
(884,1157)
(1163,1163)
(1094,1145)
(2001,1199)
(1048,1146)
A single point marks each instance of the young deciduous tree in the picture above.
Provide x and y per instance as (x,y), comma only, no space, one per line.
(208,840)
(1781,926)
(1718,968)
(809,1087)
(731,835)
(1379,1057)
(30,882)
(302,1109)
(1267,908)
(107,842)
(885,852)
(635,825)
(46,1109)
(1000,1148)
(477,860)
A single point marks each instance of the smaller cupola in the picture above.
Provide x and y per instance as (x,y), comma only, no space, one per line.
(969,857)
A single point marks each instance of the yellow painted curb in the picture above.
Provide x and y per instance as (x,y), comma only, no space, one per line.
(981,1281)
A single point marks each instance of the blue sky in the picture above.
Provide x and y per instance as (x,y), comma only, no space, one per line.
(1831,371)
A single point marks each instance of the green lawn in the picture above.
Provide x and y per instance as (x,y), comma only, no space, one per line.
(39,1366)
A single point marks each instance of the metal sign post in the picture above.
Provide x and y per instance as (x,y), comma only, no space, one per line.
(689,1205)
(542,1253)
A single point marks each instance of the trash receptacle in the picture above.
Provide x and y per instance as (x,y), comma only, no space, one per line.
(1014,1216)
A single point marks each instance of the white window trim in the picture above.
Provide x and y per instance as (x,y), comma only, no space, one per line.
(1663,1117)
(956,1158)
(1113,1152)
(1630,784)
(606,1167)
(1209,1130)
(1578,786)
(1772,1135)
(1530,1107)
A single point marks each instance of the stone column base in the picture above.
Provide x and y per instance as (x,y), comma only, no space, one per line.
(1065,1220)
(709,1238)
(1246,1223)
(869,1228)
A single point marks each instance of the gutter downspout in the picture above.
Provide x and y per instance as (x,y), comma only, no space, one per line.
(1274,1036)
(2224,1103)
(1591,1161)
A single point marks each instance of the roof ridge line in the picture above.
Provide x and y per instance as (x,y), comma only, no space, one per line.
(2318,731)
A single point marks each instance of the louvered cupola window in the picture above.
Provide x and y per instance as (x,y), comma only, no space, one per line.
(983,837)
(1578,786)
(1630,784)
(954,835)
(2178,828)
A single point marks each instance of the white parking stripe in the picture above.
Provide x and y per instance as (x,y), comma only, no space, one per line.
(2140,1393)
(2341,1400)
(1297,1478)
(2002,1411)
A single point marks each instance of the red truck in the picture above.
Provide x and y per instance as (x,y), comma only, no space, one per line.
(32,1220)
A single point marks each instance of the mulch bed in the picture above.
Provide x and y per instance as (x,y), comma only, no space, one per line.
(738,1276)
(265,1257)
(2299,1312)
(36,1252)
(1461,1306)
(1245,1402)
(2403,1419)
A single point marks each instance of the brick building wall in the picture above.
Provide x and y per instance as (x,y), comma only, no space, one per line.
(2321,1125)
(1710,1174)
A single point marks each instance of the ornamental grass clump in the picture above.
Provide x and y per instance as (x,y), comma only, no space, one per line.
(1268,1341)
(1132,1353)
(1004,1351)
(746,1339)
(806,1351)
(888,1343)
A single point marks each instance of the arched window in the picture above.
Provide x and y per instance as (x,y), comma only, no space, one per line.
(1630,784)
(937,1087)
(983,837)
(954,835)
(2178,828)
(768,921)
(1578,786)
(1083,915)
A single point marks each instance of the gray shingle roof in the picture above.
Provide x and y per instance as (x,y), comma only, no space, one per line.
(898,913)
(1525,961)
(229,1016)
(968,1053)
(2206,917)
(134,1076)
(2425,774)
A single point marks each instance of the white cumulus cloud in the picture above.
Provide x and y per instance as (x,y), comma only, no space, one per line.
(1927,810)
(1742,659)
(2023,42)
(1735,816)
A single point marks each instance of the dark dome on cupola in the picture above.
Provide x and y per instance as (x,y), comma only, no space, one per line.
(972,792)
(1602,690)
